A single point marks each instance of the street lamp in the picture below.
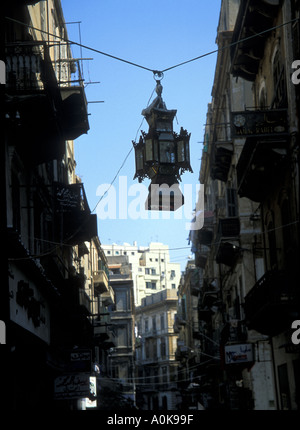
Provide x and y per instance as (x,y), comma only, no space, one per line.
(162,155)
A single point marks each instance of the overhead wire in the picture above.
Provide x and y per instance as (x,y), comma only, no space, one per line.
(154,71)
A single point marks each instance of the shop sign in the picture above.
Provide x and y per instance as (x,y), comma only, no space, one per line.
(239,353)
(80,360)
(75,386)
(271,122)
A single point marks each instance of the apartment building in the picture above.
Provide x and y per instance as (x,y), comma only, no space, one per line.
(186,326)
(56,268)
(122,324)
(155,362)
(151,267)
(248,246)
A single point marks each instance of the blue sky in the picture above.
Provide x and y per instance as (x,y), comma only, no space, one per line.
(156,35)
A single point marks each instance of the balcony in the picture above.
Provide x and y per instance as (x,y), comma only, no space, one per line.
(221,160)
(265,150)
(75,222)
(102,324)
(227,241)
(44,107)
(100,282)
(84,302)
(108,297)
(272,304)
(201,256)
(205,234)
(254,17)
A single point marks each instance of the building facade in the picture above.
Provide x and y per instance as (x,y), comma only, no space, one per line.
(189,337)
(151,267)
(155,362)
(57,271)
(249,244)
(122,320)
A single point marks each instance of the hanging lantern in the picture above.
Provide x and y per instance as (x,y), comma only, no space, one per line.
(162,155)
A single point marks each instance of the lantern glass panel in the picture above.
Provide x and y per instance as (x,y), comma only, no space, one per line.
(151,150)
(155,149)
(187,150)
(180,151)
(139,159)
(167,152)
(148,150)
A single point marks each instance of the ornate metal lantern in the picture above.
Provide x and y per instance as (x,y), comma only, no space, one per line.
(162,156)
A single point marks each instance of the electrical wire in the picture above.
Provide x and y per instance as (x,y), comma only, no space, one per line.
(154,71)
(79,44)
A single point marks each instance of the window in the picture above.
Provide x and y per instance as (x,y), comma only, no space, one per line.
(173,286)
(132,253)
(146,325)
(122,336)
(121,301)
(162,347)
(153,272)
(231,202)
(147,271)
(154,324)
(284,387)
(172,274)
(162,322)
(151,285)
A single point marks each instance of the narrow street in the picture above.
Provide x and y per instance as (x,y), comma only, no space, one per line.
(155,278)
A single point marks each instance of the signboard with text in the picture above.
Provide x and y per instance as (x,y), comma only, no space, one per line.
(72,386)
(239,353)
(272,122)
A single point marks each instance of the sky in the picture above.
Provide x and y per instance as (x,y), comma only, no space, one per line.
(156,35)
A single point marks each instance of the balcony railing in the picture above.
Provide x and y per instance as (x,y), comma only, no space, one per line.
(273,302)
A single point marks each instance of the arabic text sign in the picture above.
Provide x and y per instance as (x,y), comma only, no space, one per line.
(259,123)
(240,353)
(71,387)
